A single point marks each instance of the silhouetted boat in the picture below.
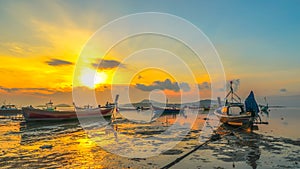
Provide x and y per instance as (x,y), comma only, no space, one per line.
(133,108)
(167,110)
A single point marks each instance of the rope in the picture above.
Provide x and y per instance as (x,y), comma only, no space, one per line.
(182,157)
(214,137)
(193,150)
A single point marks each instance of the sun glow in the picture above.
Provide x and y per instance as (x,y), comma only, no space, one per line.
(100,78)
(92,78)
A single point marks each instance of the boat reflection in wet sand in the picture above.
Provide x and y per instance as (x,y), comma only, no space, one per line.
(50,113)
(237,113)
(47,130)
(238,146)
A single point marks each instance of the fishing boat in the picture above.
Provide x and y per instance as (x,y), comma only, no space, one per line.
(167,110)
(139,108)
(9,110)
(50,113)
(236,113)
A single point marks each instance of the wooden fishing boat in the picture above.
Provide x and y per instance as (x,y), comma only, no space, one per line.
(50,113)
(236,113)
(8,110)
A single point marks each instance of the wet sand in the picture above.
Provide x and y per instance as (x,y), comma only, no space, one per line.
(66,145)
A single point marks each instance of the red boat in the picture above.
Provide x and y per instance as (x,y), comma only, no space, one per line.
(33,114)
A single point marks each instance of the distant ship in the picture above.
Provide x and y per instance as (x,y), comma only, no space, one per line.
(167,110)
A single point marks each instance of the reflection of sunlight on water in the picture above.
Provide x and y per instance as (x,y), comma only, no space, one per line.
(138,116)
(134,139)
(9,135)
(85,143)
(66,145)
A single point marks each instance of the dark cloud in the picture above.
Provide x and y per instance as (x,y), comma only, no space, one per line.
(10,90)
(164,85)
(204,86)
(235,85)
(184,87)
(107,64)
(58,62)
(283,90)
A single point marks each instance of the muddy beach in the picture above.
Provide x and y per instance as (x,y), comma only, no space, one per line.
(67,145)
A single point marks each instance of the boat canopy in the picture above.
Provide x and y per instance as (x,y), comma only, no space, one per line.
(251,104)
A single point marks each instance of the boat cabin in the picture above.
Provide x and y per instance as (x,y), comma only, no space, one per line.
(8,107)
(233,109)
(49,106)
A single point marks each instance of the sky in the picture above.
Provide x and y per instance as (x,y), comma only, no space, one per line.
(42,41)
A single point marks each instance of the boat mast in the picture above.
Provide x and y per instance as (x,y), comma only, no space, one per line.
(167,102)
(233,96)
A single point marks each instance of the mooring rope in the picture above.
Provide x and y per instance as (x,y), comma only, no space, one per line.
(214,137)
(182,157)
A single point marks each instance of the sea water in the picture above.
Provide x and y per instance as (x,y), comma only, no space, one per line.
(66,144)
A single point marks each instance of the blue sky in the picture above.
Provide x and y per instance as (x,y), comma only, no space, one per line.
(264,26)
(256,40)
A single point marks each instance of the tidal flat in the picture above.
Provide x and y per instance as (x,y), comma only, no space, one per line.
(126,143)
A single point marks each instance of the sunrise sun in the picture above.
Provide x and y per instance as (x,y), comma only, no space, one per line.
(91,79)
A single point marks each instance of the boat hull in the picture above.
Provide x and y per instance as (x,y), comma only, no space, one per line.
(31,114)
(167,110)
(237,120)
(10,112)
